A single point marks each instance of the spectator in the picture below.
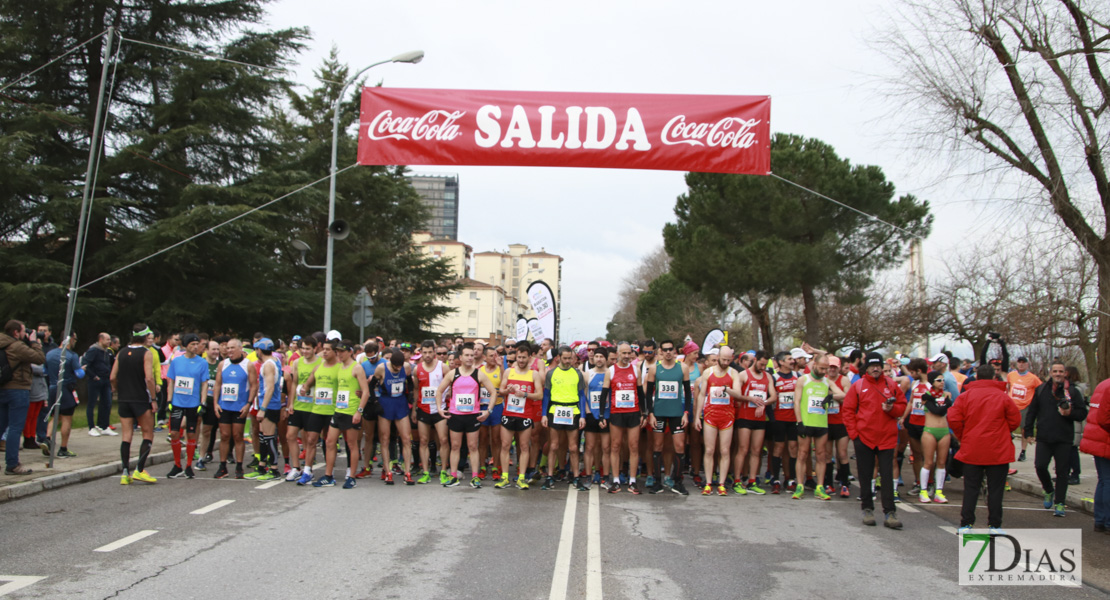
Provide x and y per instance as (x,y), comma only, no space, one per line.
(1096,442)
(983,420)
(22,350)
(1076,381)
(940,365)
(1055,408)
(66,388)
(870,411)
(44,337)
(39,390)
(98,365)
(114,347)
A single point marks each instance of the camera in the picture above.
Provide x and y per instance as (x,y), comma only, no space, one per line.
(1063,401)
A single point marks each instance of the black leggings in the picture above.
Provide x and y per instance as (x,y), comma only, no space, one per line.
(1061,453)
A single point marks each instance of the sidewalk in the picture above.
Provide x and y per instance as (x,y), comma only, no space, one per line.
(1080,497)
(96,457)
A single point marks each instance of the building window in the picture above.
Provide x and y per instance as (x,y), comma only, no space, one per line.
(472,332)
(449,195)
(473,314)
(473,295)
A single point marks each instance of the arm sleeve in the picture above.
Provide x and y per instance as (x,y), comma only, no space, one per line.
(689,396)
(931,405)
(1005,356)
(649,397)
(605,402)
(984,351)
(547,391)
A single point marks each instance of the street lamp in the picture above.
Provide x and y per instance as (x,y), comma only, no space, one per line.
(412,57)
(304,248)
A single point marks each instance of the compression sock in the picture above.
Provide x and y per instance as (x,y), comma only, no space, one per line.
(125,456)
(940,475)
(776,465)
(190,450)
(272,443)
(845,479)
(144,452)
(176,447)
(898,473)
(677,476)
(924,479)
(656,464)
(828,474)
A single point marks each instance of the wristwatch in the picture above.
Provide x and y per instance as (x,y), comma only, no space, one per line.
(360,410)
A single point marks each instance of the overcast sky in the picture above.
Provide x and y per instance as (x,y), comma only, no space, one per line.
(811,57)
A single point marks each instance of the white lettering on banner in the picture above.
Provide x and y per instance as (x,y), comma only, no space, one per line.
(721,133)
(601,129)
(427,127)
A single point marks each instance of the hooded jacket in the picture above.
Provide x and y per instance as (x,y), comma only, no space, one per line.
(1043,414)
(864,417)
(21,357)
(1096,435)
(983,420)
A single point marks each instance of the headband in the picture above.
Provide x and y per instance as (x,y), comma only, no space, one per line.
(144,332)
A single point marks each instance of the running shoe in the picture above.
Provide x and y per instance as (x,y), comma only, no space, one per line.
(239,471)
(452,482)
(1021,457)
(521,483)
(384,473)
(256,473)
(668,481)
(221,473)
(722,490)
(482,473)
(286,470)
(267,475)
(892,522)
(254,462)
(915,490)
(845,492)
(615,487)
(475,482)
(967,529)
(623,478)
(938,497)
(698,481)
(821,494)
(1008,472)
(596,478)
(189,474)
(125,479)
(1058,511)
(293,475)
(537,476)
(650,483)
(202,465)
(306,478)
(425,478)
(395,466)
(324,481)
(799,491)
(495,473)
(679,489)
(897,497)
(995,531)
(364,473)
(442,477)
(66,453)
(1007,488)
(923,496)
(146,477)
(632,489)
(501,483)
(408,479)
(755,489)
(1048,499)
(349,483)
(605,484)
(300,455)
(175,472)
(548,483)
(739,489)
(776,487)
(388,477)
(655,487)
(580,484)
(705,491)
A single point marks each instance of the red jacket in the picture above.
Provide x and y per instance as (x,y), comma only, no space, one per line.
(863,413)
(1096,435)
(983,418)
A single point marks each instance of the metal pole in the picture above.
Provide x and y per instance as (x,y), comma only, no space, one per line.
(79,245)
(492,311)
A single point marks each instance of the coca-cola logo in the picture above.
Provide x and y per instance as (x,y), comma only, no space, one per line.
(729,132)
(439,125)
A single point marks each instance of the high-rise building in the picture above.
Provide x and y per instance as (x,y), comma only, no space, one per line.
(440,194)
(515,270)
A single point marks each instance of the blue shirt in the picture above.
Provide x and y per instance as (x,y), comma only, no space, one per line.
(269,399)
(950,385)
(73,365)
(188,375)
(235,392)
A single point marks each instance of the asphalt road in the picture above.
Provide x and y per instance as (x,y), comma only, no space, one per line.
(378,541)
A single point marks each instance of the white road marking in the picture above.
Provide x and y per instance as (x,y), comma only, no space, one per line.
(1004,509)
(269,484)
(593,548)
(907,507)
(17,582)
(566,542)
(116,545)
(211,507)
(948,529)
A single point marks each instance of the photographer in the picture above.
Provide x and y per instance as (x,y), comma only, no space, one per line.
(21,351)
(1052,413)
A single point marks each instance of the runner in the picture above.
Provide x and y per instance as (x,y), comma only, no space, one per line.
(523,392)
(669,402)
(323,382)
(811,413)
(301,407)
(236,384)
(187,376)
(351,396)
(1020,385)
(462,387)
(394,380)
(646,358)
(714,416)
(784,428)
(368,430)
(133,381)
(209,424)
(757,390)
(934,442)
(626,415)
(913,419)
(597,420)
(838,434)
(428,374)
(489,437)
(269,404)
(564,408)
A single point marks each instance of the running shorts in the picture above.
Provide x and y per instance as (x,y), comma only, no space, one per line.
(428,418)
(516,423)
(557,427)
(299,418)
(671,424)
(316,423)
(805,431)
(208,417)
(494,416)
(629,420)
(719,419)
(343,422)
(393,409)
(273,415)
(231,417)
(133,410)
(837,431)
(783,431)
(751,424)
(915,431)
(463,423)
(188,414)
(594,425)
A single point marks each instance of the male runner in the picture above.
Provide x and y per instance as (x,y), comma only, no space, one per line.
(813,395)
(462,387)
(626,415)
(489,437)
(351,396)
(838,434)
(597,420)
(209,424)
(394,380)
(669,402)
(236,384)
(564,410)
(323,381)
(428,375)
(757,390)
(647,359)
(187,376)
(913,420)
(269,403)
(133,381)
(522,389)
(368,430)
(720,383)
(784,428)
(301,407)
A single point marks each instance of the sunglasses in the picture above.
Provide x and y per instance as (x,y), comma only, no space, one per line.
(441,354)
(649,352)
(666,349)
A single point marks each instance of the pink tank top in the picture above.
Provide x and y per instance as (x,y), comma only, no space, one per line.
(464,395)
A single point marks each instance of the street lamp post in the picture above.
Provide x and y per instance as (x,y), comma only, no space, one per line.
(492,310)
(409,57)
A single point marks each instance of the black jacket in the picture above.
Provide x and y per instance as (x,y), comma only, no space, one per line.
(1044,416)
(98,362)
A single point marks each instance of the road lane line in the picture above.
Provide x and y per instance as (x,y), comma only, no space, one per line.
(566,542)
(211,507)
(17,582)
(948,529)
(116,545)
(908,508)
(593,548)
(269,484)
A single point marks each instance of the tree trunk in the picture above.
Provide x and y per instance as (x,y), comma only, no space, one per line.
(1102,330)
(809,310)
(1086,345)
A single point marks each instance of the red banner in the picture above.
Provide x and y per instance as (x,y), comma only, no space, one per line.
(717,134)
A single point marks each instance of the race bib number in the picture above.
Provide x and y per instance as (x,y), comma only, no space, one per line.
(1019,392)
(667,390)
(786,400)
(304,399)
(718,396)
(428,395)
(564,415)
(183,385)
(918,406)
(397,388)
(515,404)
(484,395)
(343,399)
(625,399)
(834,408)
(464,403)
(761,394)
(815,406)
(229,392)
(595,400)
(325,396)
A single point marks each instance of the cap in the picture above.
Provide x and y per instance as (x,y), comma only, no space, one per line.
(750,352)
(1022,359)
(296,338)
(834,361)
(940,358)
(333,335)
(189,338)
(905,360)
(799,353)
(264,344)
(873,358)
(714,351)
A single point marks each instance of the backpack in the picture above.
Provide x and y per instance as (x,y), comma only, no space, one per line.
(7,373)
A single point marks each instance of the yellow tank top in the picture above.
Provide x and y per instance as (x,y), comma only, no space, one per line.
(495,378)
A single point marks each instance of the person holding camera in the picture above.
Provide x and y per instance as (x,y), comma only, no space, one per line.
(21,350)
(1055,408)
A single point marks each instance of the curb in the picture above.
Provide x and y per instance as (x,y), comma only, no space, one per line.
(50,482)
(1033,488)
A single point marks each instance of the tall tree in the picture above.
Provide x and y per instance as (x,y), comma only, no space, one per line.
(754,237)
(1022,85)
(668,308)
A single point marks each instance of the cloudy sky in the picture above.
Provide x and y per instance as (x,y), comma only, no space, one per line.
(811,57)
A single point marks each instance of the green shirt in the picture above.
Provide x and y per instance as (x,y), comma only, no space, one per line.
(304,371)
(327,384)
(812,401)
(669,400)
(346,398)
(565,385)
